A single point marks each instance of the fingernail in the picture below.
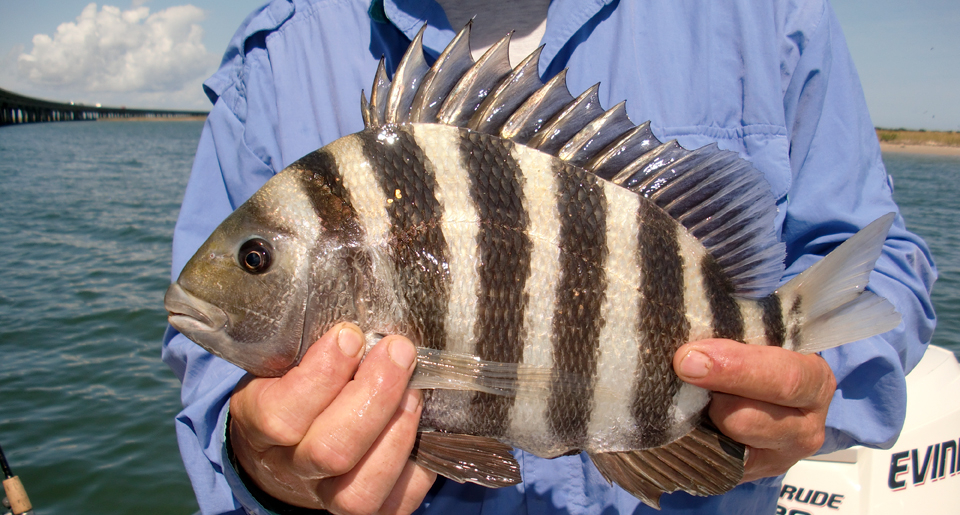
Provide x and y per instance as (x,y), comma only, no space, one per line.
(411,401)
(695,365)
(350,341)
(402,353)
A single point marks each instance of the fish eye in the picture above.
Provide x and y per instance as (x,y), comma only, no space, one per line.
(254,256)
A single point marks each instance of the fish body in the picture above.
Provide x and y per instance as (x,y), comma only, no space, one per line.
(547,258)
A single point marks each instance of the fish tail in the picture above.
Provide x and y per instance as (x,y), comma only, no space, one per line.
(827,305)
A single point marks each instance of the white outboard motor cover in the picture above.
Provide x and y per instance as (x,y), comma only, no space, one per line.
(919,474)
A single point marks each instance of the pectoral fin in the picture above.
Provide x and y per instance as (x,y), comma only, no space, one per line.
(704,462)
(445,370)
(467,458)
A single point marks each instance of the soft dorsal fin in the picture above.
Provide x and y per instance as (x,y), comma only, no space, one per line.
(716,195)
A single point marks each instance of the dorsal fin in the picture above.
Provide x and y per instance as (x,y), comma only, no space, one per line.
(478,81)
(453,62)
(406,81)
(716,195)
(378,98)
(512,91)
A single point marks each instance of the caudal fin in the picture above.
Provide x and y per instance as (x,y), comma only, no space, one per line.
(826,305)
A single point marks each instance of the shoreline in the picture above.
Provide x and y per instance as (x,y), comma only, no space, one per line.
(155,119)
(932,150)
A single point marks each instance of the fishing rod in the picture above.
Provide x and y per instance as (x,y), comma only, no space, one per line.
(16,495)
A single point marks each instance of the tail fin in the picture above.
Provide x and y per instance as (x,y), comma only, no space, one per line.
(826,305)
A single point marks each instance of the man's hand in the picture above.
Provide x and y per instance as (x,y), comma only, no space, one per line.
(335,433)
(772,400)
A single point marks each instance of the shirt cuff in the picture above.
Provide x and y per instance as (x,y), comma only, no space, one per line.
(254,500)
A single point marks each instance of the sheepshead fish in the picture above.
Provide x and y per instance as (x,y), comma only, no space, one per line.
(546,256)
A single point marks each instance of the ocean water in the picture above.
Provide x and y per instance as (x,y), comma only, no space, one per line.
(86,215)
(927,189)
(86,405)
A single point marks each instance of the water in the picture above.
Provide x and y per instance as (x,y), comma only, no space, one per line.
(927,188)
(87,210)
(86,405)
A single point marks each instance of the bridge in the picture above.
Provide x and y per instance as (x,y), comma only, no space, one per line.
(16,109)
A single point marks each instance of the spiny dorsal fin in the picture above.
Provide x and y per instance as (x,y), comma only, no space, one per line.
(527,120)
(719,197)
(378,97)
(596,135)
(479,80)
(453,62)
(406,81)
(568,122)
(512,91)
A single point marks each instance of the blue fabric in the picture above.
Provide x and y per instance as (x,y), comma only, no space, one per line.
(771,80)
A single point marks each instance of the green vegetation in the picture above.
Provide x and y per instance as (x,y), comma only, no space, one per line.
(921,137)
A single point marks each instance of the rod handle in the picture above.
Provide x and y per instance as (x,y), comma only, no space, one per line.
(19,502)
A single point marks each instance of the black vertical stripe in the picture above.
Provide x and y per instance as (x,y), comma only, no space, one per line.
(726,315)
(795,321)
(323,185)
(577,320)
(416,238)
(773,327)
(663,325)
(504,247)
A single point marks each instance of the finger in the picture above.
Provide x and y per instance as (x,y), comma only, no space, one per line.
(343,433)
(279,411)
(412,486)
(769,374)
(768,426)
(365,487)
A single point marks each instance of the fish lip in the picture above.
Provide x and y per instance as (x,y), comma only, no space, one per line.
(189,314)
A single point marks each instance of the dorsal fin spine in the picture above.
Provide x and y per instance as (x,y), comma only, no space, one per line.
(716,195)
(453,62)
(478,81)
(622,151)
(568,122)
(378,95)
(596,135)
(368,119)
(406,81)
(515,89)
(537,109)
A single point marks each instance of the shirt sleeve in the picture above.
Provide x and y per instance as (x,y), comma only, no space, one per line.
(229,166)
(839,186)
(207,381)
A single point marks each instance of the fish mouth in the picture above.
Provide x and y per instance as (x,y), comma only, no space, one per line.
(190,315)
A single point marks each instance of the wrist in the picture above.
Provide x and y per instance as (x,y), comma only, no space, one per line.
(248,492)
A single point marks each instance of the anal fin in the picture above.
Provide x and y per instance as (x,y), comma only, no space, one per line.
(467,458)
(703,462)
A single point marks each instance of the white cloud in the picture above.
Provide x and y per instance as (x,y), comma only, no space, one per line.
(122,51)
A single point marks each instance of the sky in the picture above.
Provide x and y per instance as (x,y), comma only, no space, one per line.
(156,53)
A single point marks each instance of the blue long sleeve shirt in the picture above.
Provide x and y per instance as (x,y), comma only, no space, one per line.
(771,80)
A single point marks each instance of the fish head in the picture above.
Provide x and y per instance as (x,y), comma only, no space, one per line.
(244,295)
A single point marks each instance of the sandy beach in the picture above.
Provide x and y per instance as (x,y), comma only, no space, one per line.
(937,150)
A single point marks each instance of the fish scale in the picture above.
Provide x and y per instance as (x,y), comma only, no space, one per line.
(547,289)
(582,209)
(419,243)
(662,324)
(504,263)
